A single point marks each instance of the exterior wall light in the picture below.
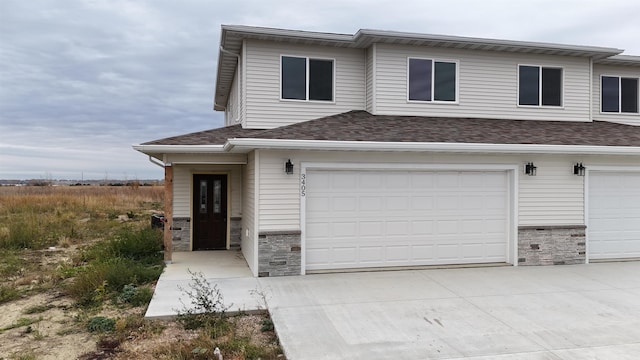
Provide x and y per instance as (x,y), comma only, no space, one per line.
(530,169)
(578,169)
(288,167)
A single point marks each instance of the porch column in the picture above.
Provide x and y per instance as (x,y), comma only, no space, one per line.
(168,212)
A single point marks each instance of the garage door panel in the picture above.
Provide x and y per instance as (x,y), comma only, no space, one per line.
(614,215)
(405,218)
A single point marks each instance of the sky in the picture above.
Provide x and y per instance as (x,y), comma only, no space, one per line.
(81,81)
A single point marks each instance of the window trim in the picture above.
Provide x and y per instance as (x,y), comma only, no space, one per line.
(433,61)
(307,58)
(540,67)
(619,112)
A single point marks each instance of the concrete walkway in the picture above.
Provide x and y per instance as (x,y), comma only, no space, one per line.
(226,269)
(555,312)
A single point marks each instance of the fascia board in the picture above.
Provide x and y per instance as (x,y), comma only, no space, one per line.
(248,144)
(179,149)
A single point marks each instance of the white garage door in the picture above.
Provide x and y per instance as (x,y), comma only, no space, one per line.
(358,219)
(614,215)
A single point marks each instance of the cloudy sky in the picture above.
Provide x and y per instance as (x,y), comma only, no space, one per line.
(81,81)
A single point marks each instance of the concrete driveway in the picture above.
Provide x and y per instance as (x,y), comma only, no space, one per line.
(555,312)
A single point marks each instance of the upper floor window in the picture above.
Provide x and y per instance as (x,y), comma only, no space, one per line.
(619,94)
(539,86)
(432,80)
(304,78)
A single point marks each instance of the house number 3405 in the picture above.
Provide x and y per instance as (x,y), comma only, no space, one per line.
(303,184)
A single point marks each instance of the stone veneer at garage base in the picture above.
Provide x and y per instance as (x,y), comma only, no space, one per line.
(279,252)
(551,245)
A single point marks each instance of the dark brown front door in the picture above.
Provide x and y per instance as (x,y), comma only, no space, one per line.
(209,212)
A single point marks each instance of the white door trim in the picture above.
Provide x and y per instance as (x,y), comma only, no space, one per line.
(512,175)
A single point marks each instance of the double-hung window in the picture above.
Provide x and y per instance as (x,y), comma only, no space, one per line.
(304,78)
(539,85)
(619,94)
(432,80)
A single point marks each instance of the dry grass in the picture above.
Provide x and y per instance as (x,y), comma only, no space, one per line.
(39,217)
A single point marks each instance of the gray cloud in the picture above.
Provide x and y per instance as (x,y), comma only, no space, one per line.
(80,81)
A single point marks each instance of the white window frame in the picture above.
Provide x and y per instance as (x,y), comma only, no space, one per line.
(619,112)
(540,86)
(433,61)
(307,58)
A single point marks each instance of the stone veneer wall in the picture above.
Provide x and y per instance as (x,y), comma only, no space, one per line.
(181,235)
(551,245)
(235,238)
(279,253)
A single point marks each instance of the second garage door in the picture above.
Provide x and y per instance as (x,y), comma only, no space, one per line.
(359,219)
(614,215)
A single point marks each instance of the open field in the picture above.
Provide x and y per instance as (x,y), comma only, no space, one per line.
(78,266)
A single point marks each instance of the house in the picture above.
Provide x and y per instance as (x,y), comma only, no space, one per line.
(390,149)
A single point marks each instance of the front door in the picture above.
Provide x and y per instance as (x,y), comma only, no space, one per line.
(209,212)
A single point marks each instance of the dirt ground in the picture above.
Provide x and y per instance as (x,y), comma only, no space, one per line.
(45,324)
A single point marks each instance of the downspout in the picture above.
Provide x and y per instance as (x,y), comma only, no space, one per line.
(156,162)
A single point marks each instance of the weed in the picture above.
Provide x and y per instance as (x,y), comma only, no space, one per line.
(8,293)
(267,325)
(101,324)
(135,296)
(36,309)
(206,307)
(102,278)
(28,355)
(22,322)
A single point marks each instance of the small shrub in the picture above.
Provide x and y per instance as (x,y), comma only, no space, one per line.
(267,325)
(206,307)
(101,324)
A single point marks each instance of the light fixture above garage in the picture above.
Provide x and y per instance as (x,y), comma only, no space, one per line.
(288,167)
(578,169)
(530,169)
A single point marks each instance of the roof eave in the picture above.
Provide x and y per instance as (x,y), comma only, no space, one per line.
(178,149)
(248,144)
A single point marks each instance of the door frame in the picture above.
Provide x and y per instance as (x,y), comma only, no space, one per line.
(191,214)
(512,171)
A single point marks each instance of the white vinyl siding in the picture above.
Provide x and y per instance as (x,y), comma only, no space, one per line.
(488,84)
(265,110)
(248,244)
(182,184)
(553,197)
(232,112)
(369,77)
(608,70)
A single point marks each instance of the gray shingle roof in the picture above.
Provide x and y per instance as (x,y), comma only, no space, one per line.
(363,126)
(208,137)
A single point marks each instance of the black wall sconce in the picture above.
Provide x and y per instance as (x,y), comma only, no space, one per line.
(288,167)
(578,169)
(530,169)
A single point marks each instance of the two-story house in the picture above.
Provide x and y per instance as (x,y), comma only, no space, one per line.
(390,149)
